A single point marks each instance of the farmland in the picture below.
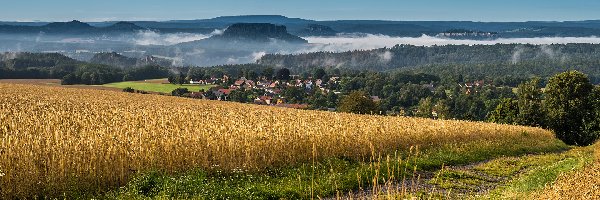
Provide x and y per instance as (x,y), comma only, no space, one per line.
(581,184)
(75,142)
(156,86)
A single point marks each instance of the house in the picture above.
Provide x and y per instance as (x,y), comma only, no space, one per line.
(308,84)
(197,95)
(222,94)
(263,100)
(319,82)
(248,84)
(479,83)
(212,81)
(226,91)
(197,82)
(225,78)
(263,84)
(297,83)
(375,99)
(239,83)
(274,84)
(334,79)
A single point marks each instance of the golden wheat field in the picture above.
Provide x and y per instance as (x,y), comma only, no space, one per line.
(54,138)
(582,184)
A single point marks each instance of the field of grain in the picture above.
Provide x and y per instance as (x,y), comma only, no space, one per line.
(55,139)
(581,184)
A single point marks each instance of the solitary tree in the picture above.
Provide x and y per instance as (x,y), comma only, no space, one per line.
(358,102)
(570,108)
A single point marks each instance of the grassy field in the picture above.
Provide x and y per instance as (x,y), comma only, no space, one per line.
(106,144)
(156,86)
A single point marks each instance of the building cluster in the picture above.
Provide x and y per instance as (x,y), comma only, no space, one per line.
(271,90)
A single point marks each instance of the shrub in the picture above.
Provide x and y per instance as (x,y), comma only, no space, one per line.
(128,89)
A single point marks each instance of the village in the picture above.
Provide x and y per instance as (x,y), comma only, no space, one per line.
(303,93)
(263,91)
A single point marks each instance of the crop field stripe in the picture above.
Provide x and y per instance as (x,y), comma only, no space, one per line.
(56,139)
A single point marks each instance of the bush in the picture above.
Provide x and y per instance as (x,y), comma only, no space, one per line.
(180,92)
(128,89)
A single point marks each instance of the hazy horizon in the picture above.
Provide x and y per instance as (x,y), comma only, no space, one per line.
(428,10)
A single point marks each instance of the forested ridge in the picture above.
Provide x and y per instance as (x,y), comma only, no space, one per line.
(477,61)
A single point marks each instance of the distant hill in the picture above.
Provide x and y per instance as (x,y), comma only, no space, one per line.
(35,65)
(24,60)
(123,26)
(307,27)
(123,62)
(72,27)
(273,19)
(258,32)
(317,30)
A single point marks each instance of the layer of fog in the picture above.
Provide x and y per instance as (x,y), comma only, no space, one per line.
(149,37)
(167,45)
(203,56)
(366,42)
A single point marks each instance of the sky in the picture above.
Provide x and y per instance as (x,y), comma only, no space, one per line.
(403,10)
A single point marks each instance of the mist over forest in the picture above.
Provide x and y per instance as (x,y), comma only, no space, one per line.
(212,42)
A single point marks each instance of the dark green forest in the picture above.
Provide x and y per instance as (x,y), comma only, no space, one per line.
(511,61)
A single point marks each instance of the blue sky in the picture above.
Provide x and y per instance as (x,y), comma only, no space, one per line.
(473,10)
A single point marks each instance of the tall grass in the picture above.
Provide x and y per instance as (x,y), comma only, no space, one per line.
(55,140)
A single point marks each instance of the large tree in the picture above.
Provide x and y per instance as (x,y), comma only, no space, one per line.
(195,74)
(570,108)
(283,74)
(268,73)
(358,102)
(319,73)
